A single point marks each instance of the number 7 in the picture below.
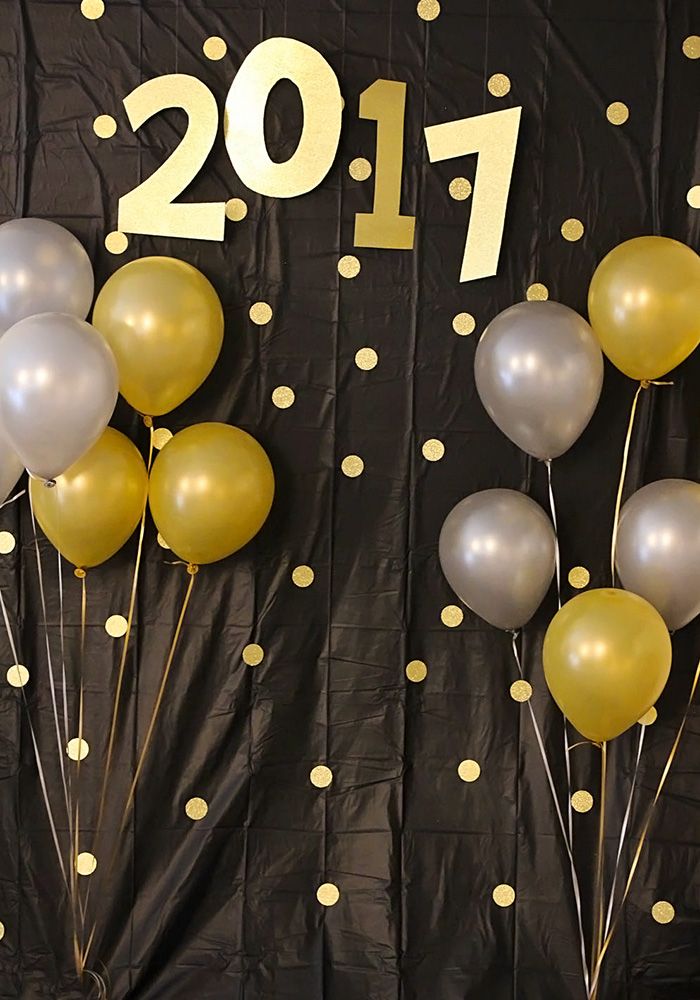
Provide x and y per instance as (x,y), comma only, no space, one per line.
(494,138)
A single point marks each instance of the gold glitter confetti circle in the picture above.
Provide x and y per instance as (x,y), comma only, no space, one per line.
(162,542)
(349,266)
(691,47)
(214,48)
(460,188)
(521,691)
(469,770)
(196,808)
(253,654)
(104,126)
(236,209)
(302,576)
(366,359)
(464,324)
(260,313)
(582,801)
(693,196)
(452,616)
(321,776)
(537,292)
(116,626)
(92,9)
(7,543)
(499,85)
(503,895)
(328,894)
(283,397)
(77,749)
(2,930)
(579,577)
(161,436)
(352,466)
(86,863)
(416,671)
(649,718)
(428,10)
(433,450)
(617,113)
(116,242)
(663,912)
(360,169)
(17,675)
(572,230)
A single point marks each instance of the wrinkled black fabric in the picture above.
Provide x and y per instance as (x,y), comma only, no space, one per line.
(226,908)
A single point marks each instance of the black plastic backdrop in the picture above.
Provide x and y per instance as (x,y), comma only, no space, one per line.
(226,907)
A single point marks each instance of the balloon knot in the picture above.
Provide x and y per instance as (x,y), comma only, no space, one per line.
(49,483)
(79,573)
(646,383)
(192,569)
(148,421)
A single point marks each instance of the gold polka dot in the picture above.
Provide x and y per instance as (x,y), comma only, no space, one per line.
(521,691)
(649,718)
(2,930)
(499,85)
(196,808)
(236,209)
(469,770)
(416,671)
(572,230)
(428,10)
(17,675)
(214,48)
(321,776)
(7,543)
(433,450)
(116,242)
(537,292)
(78,749)
(260,313)
(92,9)
(460,188)
(328,894)
(253,654)
(116,626)
(161,436)
(86,863)
(349,266)
(302,576)
(617,113)
(691,47)
(360,169)
(464,324)
(104,126)
(582,801)
(162,542)
(452,616)
(579,577)
(366,359)
(693,196)
(352,466)
(503,895)
(283,397)
(663,912)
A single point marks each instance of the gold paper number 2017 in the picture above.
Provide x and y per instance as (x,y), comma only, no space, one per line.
(151,208)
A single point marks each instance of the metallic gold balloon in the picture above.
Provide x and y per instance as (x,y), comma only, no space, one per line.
(644,305)
(96,505)
(165,324)
(607,657)
(211,490)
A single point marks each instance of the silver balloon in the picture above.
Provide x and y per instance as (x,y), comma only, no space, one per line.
(497,551)
(539,373)
(58,388)
(658,548)
(43,268)
(10,467)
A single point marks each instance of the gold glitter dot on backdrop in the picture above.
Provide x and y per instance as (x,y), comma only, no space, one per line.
(104,126)
(92,9)
(572,230)
(283,397)
(302,576)
(360,169)
(521,691)
(503,895)
(162,542)
(693,196)
(260,313)
(416,671)
(649,718)
(469,770)
(499,85)
(2,930)
(617,113)
(196,808)
(328,894)
(460,188)
(116,626)
(116,242)
(7,543)
(349,266)
(236,209)
(214,48)
(366,359)
(464,324)
(663,912)
(86,863)
(579,577)
(17,675)
(582,801)
(161,436)
(77,749)
(321,776)
(433,450)
(352,466)
(428,10)
(253,654)
(452,616)
(537,292)
(691,47)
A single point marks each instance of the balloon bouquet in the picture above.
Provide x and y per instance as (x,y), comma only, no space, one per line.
(607,652)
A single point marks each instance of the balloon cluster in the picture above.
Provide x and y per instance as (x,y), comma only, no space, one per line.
(156,333)
(539,373)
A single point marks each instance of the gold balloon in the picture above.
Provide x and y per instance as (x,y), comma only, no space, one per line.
(165,325)
(211,490)
(644,305)
(95,506)
(607,657)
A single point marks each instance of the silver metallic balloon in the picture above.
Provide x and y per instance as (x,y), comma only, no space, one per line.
(497,551)
(539,373)
(658,548)
(43,268)
(58,388)
(10,467)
